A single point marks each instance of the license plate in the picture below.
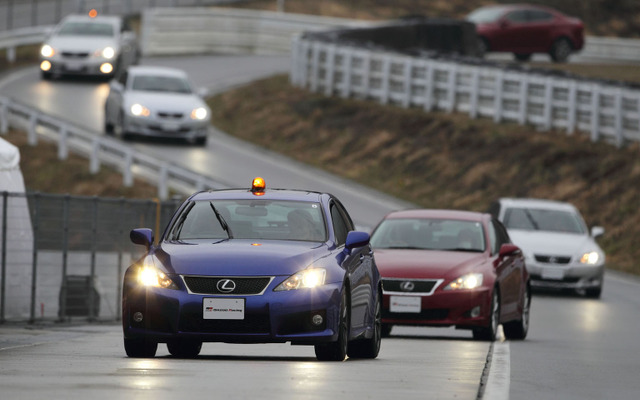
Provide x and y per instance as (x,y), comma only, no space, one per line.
(71,66)
(214,308)
(405,304)
(169,126)
(552,273)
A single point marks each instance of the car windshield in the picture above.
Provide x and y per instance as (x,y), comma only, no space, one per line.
(86,29)
(429,234)
(531,219)
(251,219)
(485,15)
(159,83)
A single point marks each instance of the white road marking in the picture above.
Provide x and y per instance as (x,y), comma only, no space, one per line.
(497,386)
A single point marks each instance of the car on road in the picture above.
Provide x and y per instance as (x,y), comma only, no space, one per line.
(255,265)
(88,45)
(525,29)
(156,102)
(560,251)
(451,268)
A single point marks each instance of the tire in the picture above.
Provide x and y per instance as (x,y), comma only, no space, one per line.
(593,293)
(119,129)
(140,348)
(337,351)
(369,348)
(488,333)
(201,141)
(184,348)
(517,330)
(561,50)
(386,330)
(522,57)
(47,76)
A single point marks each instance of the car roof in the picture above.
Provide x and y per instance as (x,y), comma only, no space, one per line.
(537,203)
(438,214)
(269,194)
(520,6)
(156,70)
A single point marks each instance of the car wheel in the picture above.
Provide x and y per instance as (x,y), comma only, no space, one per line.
(561,50)
(489,332)
(201,141)
(140,348)
(517,330)
(593,293)
(184,348)
(337,351)
(522,57)
(369,348)
(386,330)
(108,126)
(119,129)
(46,75)
(483,47)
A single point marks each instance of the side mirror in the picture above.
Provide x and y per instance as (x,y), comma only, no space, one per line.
(142,236)
(508,249)
(597,231)
(356,239)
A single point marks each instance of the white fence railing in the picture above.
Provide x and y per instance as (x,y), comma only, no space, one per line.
(606,111)
(101,149)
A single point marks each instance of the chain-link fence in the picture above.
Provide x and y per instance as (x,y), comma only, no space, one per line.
(64,256)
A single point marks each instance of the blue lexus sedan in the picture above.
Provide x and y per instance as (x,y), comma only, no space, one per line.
(255,265)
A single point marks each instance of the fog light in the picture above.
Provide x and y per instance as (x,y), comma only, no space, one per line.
(106,68)
(45,65)
(317,319)
(137,317)
(475,312)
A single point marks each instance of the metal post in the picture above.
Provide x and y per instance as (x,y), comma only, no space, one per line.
(5,196)
(94,233)
(34,270)
(123,217)
(4,118)
(65,256)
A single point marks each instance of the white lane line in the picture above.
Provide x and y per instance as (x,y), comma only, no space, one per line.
(498,380)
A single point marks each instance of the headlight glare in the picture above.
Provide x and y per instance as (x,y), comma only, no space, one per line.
(468,281)
(309,278)
(590,258)
(199,113)
(47,51)
(139,110)
(150,276)
(108,52)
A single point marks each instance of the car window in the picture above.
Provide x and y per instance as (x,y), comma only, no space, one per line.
(531,219)
(251,219)
(499,236)
(485,15)
(86,29)
(539,15)
(429,234)
(159,83)
(340,226)
(518,16)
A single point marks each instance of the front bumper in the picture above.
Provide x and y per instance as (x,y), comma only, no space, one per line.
(273,317)
(464,309)
(79,67)
(155,127)
(570,276)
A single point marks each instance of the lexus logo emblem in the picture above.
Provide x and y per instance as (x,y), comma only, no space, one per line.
(226,285)
(407,286)
(553,260)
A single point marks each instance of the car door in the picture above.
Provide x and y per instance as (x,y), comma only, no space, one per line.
(358,265)
(508,271)
(512,32)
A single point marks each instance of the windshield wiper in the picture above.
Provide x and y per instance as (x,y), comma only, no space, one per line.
(223,223)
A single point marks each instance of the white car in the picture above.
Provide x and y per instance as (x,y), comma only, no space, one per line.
(560,251)
(84,45)
(158,102)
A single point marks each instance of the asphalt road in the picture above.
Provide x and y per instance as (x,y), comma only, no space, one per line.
(577,348)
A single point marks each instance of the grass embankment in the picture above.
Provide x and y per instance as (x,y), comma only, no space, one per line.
(440,160)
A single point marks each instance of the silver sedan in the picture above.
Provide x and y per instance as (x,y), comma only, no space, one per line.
(89,46)
(158,102)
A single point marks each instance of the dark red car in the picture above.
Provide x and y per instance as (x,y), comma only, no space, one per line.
(524,29)
(451,268)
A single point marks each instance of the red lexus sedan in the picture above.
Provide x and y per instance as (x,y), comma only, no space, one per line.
(451,268)
(524,29)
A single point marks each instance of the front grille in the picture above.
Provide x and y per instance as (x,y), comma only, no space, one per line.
(410,285)
(167,114)
(75,55)
(433,314)
(251,324)
(243,285)
(565,280)
(552,259)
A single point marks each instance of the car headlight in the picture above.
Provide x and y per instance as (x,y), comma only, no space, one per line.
(139,110)
(590,258)
(150,276)
(468,281)
(47,51)
(309,278)
(199,113)
(108,52)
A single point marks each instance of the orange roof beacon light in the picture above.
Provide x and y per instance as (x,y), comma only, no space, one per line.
(93,13)
(258,186)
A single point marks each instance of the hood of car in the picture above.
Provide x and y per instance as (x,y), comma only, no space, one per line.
(80,43)
(426,264)
(552,243)
(239,257)
(165,101)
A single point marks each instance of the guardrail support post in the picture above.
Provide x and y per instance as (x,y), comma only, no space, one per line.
(31,133)
(127,173)
(11,54)
(618,119)
(475,93)
(572,107)
(524,88)
(498,89)
(347,58)
(451,87)
(386,79)
(548,104)
(163,190)
(4,118)
(595,113)
(330,66)
(63,142)
(429,89)
(94,163)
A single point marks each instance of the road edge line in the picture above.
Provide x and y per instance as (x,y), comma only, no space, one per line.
(496,375)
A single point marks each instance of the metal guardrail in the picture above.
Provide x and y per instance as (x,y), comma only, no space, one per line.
(102,149)
(606,111)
